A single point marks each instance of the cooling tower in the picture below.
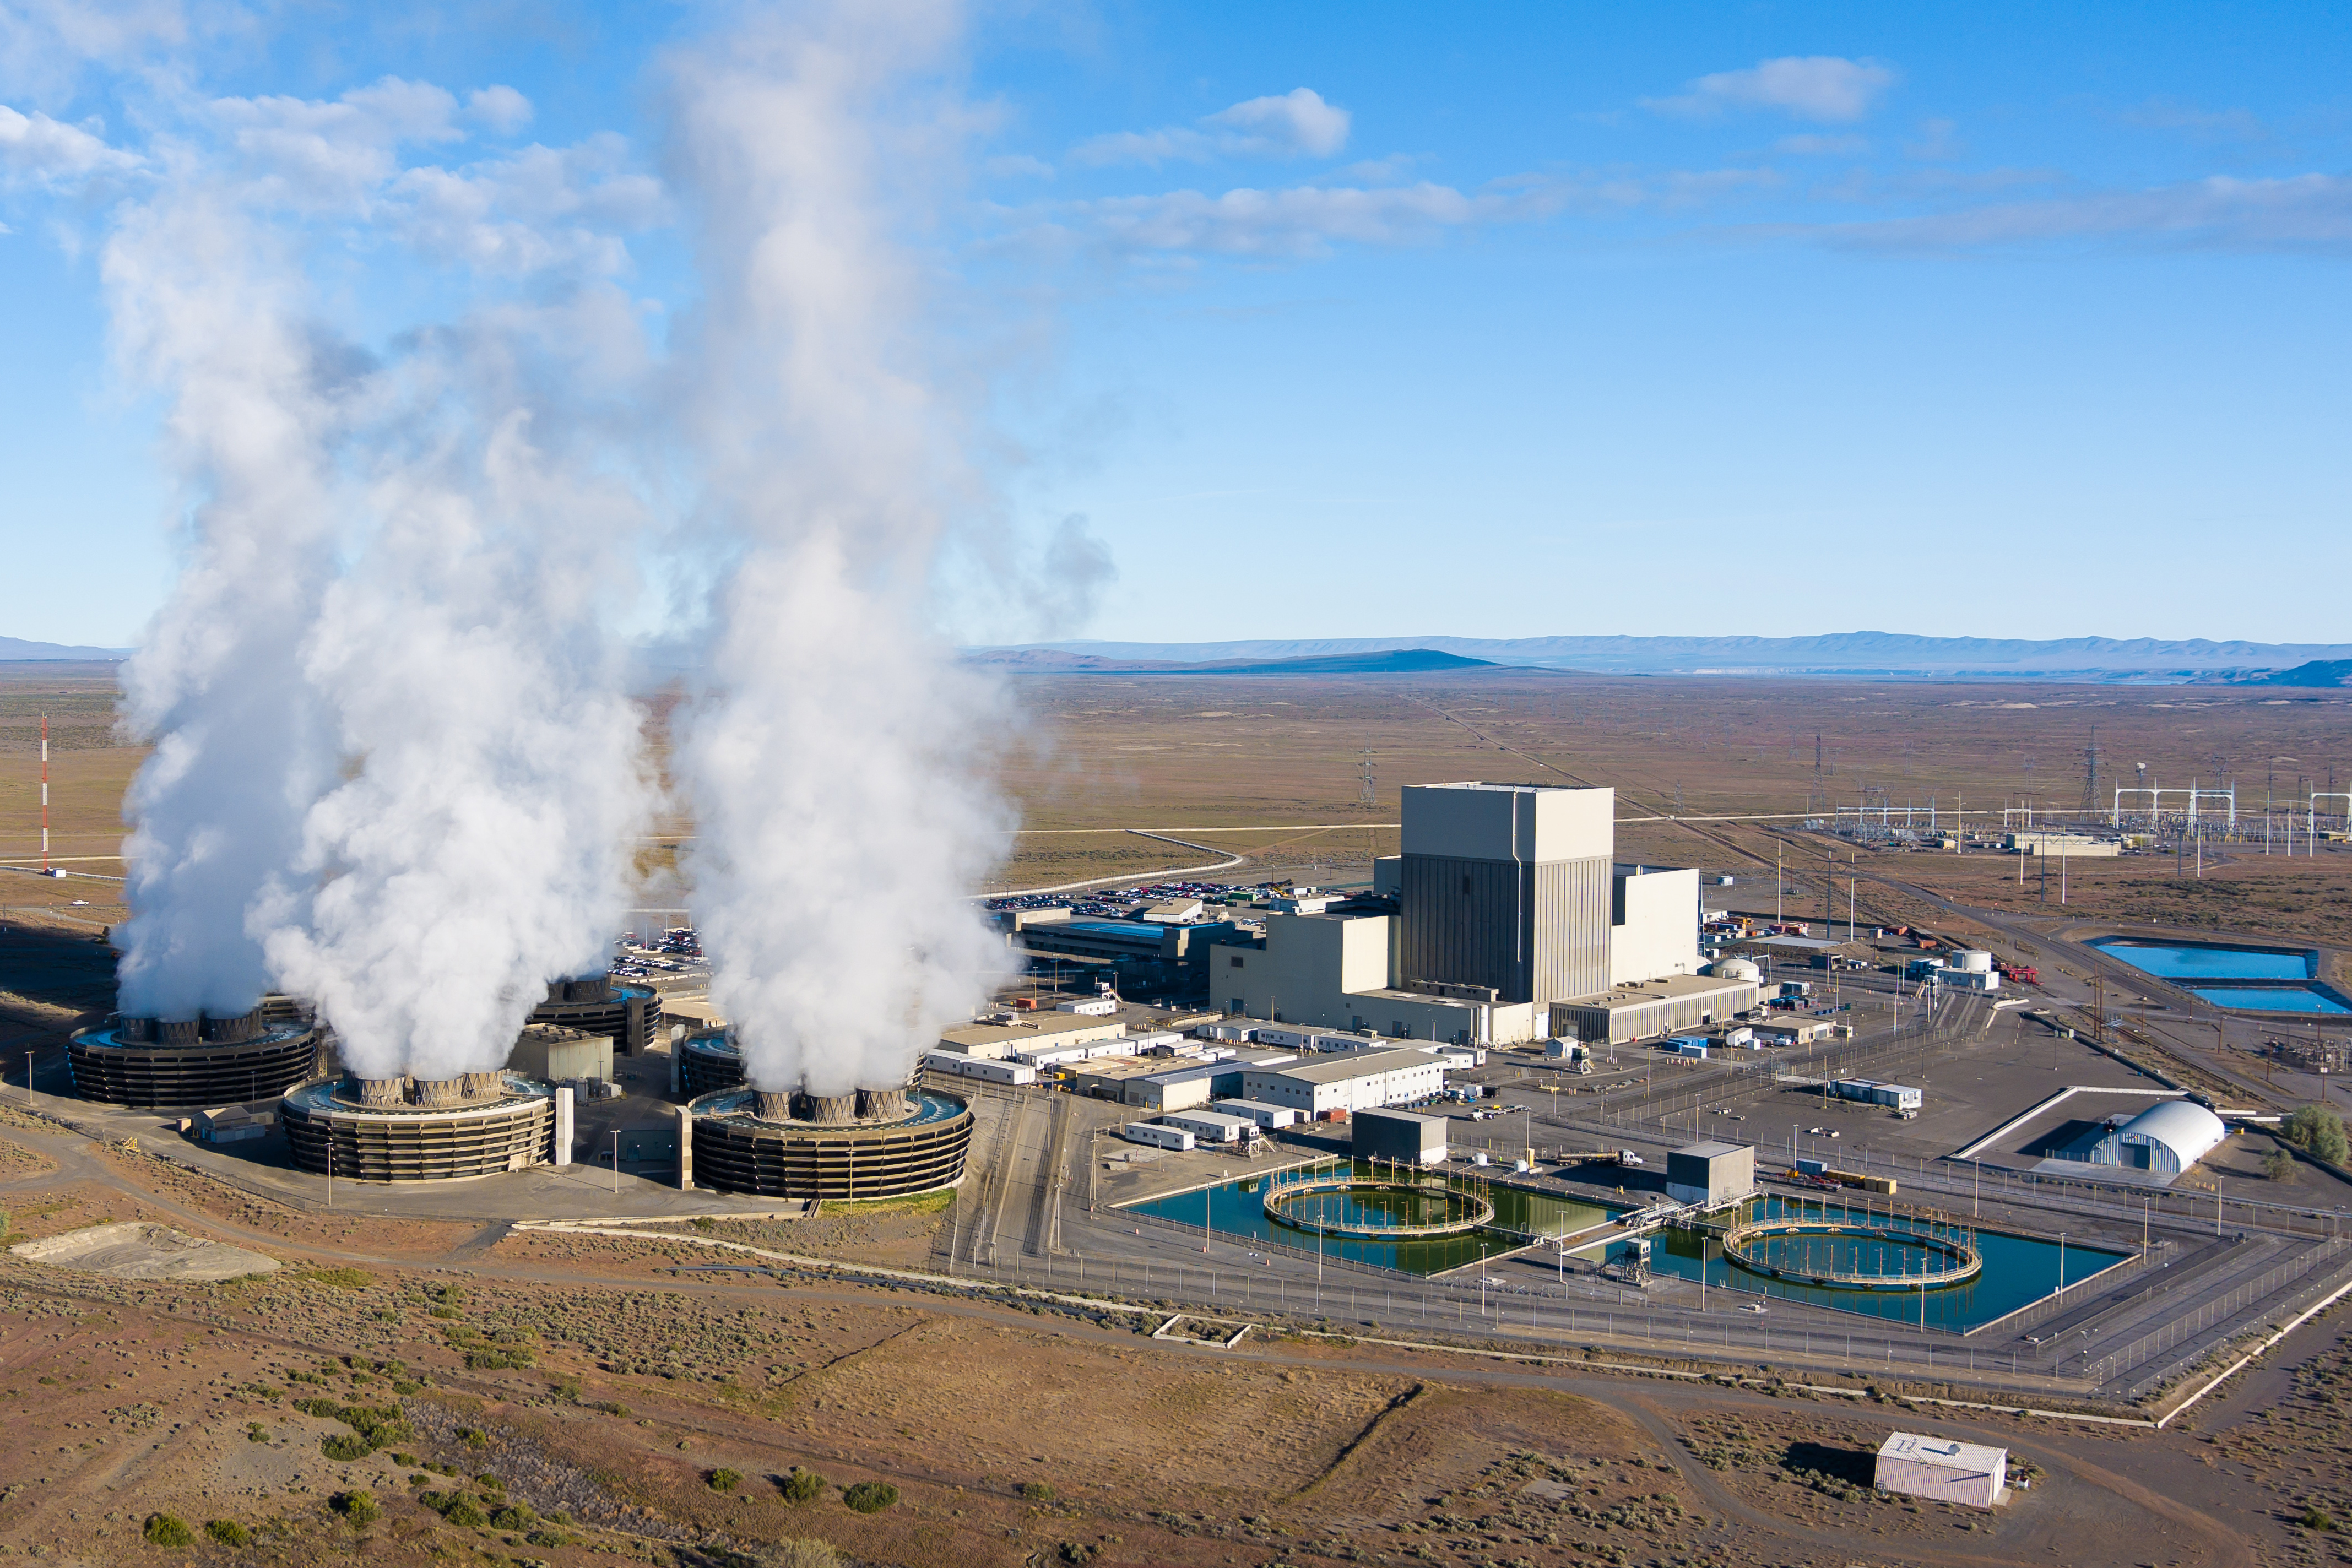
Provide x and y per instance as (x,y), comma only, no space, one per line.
(190,1062)
(408,1129)
(630,1014)
(883,1142)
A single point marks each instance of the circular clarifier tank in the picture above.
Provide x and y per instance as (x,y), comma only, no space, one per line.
(405,1129)
(874,1142)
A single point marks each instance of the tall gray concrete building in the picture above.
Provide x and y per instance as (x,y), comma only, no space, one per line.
(1507,887)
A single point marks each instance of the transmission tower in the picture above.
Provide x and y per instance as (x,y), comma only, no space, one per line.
(2091,773)
(1369,796)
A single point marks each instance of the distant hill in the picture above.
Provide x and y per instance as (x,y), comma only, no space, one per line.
(1060,661)
(17,648)
(2317,672)
(1882,654)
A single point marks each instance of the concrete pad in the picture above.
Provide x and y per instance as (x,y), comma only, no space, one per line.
(134,1249)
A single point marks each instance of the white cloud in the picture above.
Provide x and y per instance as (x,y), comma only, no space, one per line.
(1019,166)
(542,208)
(1809,86)
(1939,140)
(50,152)
(1309,220)
(1303,220)
(1812,145)
(502,108)
(1298,121)
(44,43)
(2305,213)
(1293,124)
(333,152)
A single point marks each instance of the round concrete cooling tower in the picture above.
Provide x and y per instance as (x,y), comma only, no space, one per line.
(707,1063)
(630,1014)
(170,1063)
(409,1129)
(876,1143)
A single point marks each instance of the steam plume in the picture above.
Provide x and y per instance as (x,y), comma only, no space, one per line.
(396,772)
(832,758)
(479,850)
(204,305)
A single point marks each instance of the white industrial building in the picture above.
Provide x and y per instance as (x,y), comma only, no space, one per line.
(1364,1082)
(1942,1470)
(1510,899)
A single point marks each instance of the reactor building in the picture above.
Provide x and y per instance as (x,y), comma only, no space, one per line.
(172,1063)
(884,1142)
(1513,919)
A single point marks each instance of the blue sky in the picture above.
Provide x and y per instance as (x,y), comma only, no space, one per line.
(1369,321)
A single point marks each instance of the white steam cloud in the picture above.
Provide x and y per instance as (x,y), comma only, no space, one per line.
(205,306)
(396,770)
(834,758)
(478,851)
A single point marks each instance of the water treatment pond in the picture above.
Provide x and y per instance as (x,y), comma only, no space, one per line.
(2246,978)
(2018,1271)
(1235,1211)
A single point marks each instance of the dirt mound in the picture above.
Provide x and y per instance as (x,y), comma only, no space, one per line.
(134,1249)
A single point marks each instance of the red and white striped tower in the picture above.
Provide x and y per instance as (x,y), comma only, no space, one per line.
(45,792)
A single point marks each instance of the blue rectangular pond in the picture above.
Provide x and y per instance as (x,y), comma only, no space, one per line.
(2210,960)
(2313,998)
(2227,976)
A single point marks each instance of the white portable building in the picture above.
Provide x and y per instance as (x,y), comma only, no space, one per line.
(1273,1118)
(1013,1072)
(1212,1127)
(1155,1136)
(1943,1470)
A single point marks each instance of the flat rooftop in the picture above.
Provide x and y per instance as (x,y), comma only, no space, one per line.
(1672,989)
(1358,1064)
(1038,1028)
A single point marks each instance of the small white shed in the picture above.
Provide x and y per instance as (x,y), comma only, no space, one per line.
(1942,1470)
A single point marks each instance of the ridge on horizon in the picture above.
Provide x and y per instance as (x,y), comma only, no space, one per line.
(1858,652)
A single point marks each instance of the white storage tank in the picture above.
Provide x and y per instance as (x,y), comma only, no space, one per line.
(1973,960)
(1735,970)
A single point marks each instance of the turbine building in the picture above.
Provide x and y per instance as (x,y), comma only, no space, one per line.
(1508,900)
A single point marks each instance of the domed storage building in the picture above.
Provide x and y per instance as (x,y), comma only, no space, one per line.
(2164,1140)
